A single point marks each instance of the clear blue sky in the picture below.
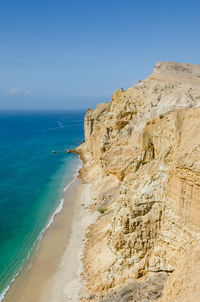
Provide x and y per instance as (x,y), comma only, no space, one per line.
(65,54)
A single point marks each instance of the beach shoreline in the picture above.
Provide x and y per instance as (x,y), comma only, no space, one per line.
(55,271)
(67,284)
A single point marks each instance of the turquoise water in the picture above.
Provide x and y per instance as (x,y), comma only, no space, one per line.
(32,179)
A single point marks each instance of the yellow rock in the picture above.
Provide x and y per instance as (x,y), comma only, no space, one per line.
(142,156)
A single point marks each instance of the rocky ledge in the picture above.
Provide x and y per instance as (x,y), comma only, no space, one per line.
(142,157)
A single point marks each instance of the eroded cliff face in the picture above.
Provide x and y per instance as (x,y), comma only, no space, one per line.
(142,156)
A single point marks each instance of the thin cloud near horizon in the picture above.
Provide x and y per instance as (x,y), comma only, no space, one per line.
(18,91)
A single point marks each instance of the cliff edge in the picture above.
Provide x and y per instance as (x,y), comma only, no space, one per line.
(142,156)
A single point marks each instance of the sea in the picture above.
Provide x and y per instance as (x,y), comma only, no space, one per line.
(32,180)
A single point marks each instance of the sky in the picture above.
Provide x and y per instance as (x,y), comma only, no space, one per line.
(72,54)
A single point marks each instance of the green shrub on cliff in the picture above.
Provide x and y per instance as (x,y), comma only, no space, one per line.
(101,210)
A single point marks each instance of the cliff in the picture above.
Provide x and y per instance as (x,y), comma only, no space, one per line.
(142,157)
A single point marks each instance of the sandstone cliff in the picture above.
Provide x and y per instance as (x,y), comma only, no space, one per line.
(142,156)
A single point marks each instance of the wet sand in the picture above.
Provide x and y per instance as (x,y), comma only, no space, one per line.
(54,275)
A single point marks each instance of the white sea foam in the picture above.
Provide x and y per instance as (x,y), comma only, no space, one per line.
(50,221)
(2,295)
(74,177)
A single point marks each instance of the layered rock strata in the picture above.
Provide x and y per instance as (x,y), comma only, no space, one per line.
(142,156)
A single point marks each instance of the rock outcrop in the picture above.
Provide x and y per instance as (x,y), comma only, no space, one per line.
(184,283)
(142,156)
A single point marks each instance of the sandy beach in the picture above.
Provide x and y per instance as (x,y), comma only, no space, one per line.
(56,266)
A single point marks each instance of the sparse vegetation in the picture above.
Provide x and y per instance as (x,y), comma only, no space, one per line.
(101,210)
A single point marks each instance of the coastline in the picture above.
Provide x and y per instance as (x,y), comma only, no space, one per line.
(61,241)
(67,284)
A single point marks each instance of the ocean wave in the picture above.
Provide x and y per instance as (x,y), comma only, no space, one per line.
(38,239)
(74,178)
(2,295)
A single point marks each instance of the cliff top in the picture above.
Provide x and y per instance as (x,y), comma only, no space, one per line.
(177,71)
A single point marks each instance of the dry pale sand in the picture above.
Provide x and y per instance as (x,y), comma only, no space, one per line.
(55,272)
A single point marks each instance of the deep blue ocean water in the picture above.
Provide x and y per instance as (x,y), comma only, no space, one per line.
(32,179)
